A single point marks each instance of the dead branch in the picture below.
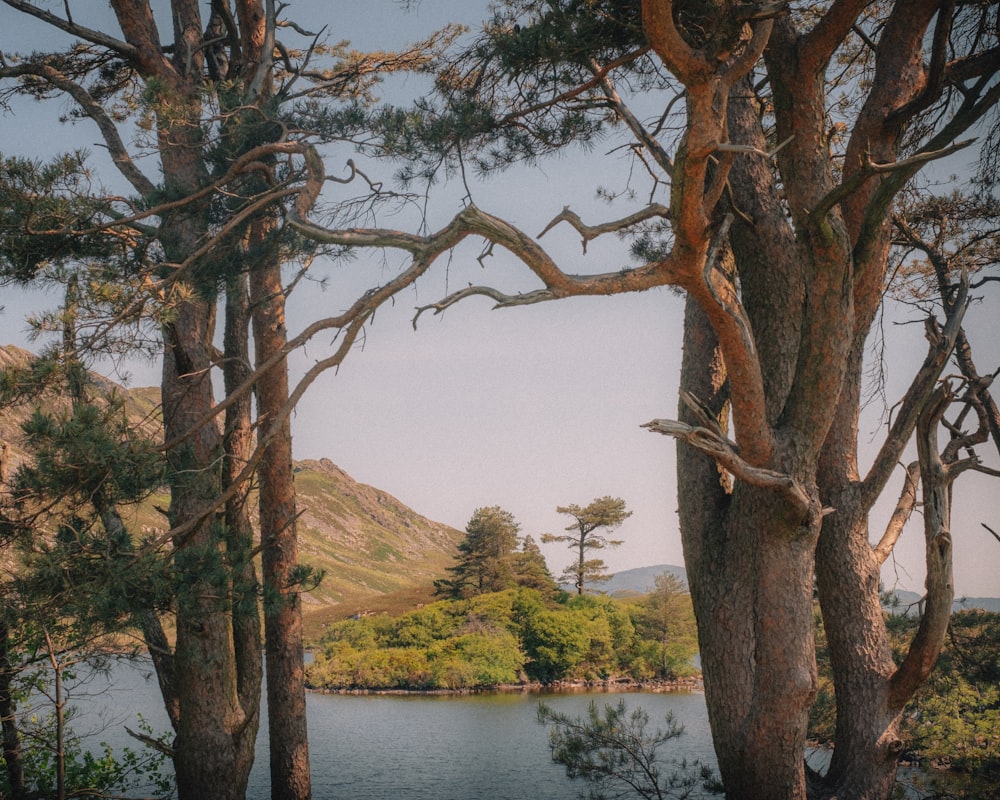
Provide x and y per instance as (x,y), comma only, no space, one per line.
(124,49)
(588,232)
(993,532)
(901,514)
(936,479)
(724,452)
(870,168)
(941,344)
(502,300)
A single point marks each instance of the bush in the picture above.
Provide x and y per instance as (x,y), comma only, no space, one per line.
(498,638)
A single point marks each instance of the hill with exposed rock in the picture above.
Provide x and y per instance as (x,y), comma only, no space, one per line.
(374,551)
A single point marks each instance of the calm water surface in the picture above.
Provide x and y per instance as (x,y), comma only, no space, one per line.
(411,747)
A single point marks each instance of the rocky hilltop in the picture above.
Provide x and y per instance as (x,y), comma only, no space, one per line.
(369,545)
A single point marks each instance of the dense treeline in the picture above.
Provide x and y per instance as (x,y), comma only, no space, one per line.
(512,636)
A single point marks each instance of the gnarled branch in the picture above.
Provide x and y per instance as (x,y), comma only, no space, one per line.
(936,479)
(588,232)
(711,443)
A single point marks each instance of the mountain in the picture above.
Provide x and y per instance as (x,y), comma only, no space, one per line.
(368,542)
(908,603)
(640,580)
(375,552)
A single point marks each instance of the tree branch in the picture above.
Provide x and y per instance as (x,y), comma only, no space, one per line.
(725,452)
(109,132)
(901,514)
(588,232)
(936,479)
(941,345)
(124,49)
(870,169)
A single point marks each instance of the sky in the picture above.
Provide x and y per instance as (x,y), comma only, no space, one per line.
(528,408)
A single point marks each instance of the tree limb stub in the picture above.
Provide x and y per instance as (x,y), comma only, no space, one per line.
(723,451)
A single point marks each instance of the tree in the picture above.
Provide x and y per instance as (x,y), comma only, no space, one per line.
(530,568)
(618,757)
(604,512)
(666,616)
(486,554)
(214,102)
(784,134)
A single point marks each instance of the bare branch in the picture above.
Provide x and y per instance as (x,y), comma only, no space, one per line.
(655,149)
(901,514)
(109,132)
(941,345)
(936,479)
(728,147)
(724,452)
(870,169)
(993,532)
(124,49)
(588,232)
(502,300)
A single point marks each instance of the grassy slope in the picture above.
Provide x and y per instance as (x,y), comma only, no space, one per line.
(377,554)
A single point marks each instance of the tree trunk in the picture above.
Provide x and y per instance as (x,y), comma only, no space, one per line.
(749,560)
(290,778)
(238,442)
(211,720)
(8,720)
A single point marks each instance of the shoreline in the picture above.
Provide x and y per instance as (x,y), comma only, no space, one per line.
(610,686)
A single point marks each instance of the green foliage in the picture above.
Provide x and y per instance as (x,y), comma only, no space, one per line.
(488,560)
(44,207)
(105,773)
(665,620)
(497,638)
(509,97)
(953,719)
(615,754)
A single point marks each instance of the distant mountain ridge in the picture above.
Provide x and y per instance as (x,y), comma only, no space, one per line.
(908,603)
(640,580)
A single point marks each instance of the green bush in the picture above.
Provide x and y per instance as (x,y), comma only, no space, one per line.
(504,637)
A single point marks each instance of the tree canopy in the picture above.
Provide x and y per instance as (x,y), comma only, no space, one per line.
(604,513)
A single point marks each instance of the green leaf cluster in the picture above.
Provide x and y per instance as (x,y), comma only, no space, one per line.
(104,773)
(513,636)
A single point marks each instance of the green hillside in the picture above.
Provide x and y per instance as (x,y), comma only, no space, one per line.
(375,552)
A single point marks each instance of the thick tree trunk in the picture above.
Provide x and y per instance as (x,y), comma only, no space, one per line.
(868,741)
(211,721)
(290,777)
(750,566)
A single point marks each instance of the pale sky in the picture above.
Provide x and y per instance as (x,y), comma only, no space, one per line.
(526,408)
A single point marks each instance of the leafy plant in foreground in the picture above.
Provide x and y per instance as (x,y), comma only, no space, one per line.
(616,755)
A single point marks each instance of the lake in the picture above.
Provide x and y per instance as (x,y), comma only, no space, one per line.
(409,747)
(417,747)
